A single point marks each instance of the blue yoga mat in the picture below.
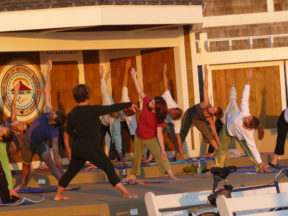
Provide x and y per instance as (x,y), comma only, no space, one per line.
(23,201)
(43,189)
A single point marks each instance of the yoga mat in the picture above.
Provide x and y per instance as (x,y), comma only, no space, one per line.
(23,201)
(43,189)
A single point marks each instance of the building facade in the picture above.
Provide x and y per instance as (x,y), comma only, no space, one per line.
(230,36)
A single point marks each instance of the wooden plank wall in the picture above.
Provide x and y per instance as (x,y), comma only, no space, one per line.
(280,5)
(225,7)
(152,64)
(265,100)
(64,77)
(92,77)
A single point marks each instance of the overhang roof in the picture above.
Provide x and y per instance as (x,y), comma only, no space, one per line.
(16,5)
(68,15)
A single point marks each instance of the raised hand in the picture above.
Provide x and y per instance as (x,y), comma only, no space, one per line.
(165,68)
(128,64)
(49,65)
(17,87)
(101,71)
(134,108)
(133,73)
(249,75)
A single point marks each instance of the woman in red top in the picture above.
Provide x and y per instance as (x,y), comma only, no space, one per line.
(149,132)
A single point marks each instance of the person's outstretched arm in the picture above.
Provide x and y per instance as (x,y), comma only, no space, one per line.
(244,107)
(47,88)
(205,101)
(13,107)
(165,80)
(137,84)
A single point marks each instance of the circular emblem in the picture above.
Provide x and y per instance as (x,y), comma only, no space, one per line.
(29,100)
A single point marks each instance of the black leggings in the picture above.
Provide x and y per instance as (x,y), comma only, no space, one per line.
(95,155)
(282,129)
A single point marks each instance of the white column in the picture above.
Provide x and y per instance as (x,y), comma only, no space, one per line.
(196,132)
(182,84)
(270,5)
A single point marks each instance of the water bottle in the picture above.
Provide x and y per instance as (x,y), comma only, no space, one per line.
(124,175)
(199,170)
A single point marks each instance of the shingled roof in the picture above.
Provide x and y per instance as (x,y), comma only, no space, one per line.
(16,5)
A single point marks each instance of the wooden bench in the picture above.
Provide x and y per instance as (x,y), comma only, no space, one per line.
(252,204)
(180,202)
(157,205)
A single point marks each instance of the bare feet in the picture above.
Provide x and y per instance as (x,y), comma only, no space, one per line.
(58,198)
(173,178)
(149,159)
(264,168)
(130,179)
(130,196)
(181,156)
(91,167)
(208,155)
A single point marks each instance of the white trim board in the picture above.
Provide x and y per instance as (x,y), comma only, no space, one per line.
(17,42)
(89,16)
(241,56)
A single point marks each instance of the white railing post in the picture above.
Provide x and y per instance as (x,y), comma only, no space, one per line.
(271,41)
(250,43)
(270,5)
(203,43)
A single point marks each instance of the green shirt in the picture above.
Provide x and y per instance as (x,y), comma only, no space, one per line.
(5,164)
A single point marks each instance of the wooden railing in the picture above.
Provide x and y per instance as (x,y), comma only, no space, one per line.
(242,43)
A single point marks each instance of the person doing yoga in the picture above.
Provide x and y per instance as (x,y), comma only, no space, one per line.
(83,126)
(201,114)
(241,126)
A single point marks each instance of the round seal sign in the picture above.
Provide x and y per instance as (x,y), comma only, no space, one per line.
(29,100)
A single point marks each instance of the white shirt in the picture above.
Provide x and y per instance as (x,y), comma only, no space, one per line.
(235,125)
(130,120)
(170,105)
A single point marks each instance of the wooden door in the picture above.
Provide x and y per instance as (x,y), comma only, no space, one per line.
(265,93)
(64,77)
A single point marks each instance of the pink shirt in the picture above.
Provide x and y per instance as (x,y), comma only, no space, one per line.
(147,124)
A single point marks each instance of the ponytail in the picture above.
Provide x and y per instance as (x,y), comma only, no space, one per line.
(255,124)
(260,132)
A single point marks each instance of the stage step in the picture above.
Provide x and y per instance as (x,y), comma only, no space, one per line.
(44,178)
